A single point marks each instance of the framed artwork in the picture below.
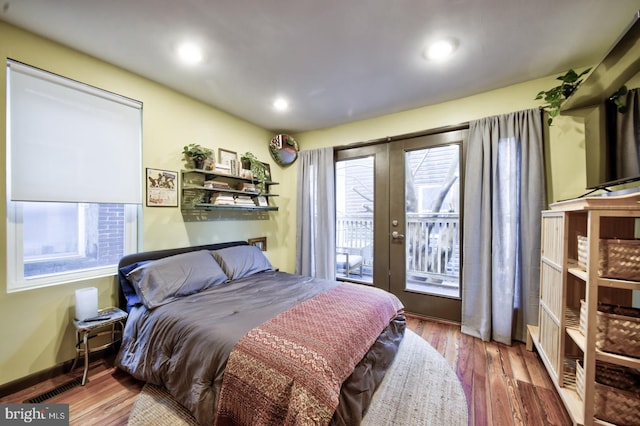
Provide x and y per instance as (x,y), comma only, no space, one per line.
(162,188)
(261,243)
(229,158)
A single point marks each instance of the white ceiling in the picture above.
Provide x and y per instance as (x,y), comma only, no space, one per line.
(336,61)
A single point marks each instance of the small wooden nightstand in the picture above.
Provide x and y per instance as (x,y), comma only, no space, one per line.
(86,330)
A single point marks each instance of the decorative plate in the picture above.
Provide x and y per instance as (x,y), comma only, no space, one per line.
(283,149)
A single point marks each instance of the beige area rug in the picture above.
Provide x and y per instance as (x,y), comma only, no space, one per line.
(419,389)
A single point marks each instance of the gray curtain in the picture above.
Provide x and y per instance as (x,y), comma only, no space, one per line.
(503,197)
(316,225)
(628,136)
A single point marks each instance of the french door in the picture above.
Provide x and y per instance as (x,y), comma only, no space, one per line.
(425,201)
(398,210)
(362,214)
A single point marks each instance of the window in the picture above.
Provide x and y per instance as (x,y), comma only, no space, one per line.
(65,221)
(52,231)
(54,243)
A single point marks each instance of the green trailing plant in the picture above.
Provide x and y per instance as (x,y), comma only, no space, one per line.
(256,166)
(556,96)
(619,99)
(196,154)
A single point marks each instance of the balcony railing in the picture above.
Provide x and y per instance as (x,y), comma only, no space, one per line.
(432,241)
(354,234)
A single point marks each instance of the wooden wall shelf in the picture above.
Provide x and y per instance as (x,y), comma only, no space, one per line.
(197,195)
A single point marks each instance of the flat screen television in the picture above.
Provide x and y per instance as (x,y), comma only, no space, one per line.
(612,155)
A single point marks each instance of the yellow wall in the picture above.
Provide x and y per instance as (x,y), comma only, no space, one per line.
(564,150)
(565,136)
(36,330)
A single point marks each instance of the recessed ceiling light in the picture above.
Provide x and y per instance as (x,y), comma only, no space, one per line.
(281,104)
(190,53)
(440,50)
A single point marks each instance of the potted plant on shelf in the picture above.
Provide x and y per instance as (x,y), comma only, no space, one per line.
(250,162)
(556,96)
(257,167)
(196,154)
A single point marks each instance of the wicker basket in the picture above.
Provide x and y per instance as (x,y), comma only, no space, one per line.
(620,259)
(617,393)
(618,328)
(583,250)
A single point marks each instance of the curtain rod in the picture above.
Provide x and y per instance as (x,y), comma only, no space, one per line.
(404,136)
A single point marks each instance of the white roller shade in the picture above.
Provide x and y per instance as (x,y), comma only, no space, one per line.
(69,142)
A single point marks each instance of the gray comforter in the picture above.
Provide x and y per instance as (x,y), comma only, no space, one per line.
(184,345)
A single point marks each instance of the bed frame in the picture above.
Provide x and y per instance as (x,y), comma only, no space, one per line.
(159,254)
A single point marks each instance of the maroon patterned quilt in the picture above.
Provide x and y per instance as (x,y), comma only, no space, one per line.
(289,370)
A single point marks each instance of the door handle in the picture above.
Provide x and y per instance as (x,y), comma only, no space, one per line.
(396,235)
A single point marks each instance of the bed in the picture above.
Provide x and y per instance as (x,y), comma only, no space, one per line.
(237,342)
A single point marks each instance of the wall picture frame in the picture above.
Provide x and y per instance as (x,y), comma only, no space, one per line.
(229,158)
(260,242)
(162,188)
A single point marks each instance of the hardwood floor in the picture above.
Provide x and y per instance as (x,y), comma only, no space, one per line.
(504,385)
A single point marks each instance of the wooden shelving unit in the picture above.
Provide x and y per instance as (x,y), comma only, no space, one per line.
(559,337)
(563,283)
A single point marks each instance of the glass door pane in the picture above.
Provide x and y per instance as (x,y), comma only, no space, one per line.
(354,219)
(432,215)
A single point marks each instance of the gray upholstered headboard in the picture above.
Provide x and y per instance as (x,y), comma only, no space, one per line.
(130,259)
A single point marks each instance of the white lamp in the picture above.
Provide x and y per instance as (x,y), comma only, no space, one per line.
(86,303)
